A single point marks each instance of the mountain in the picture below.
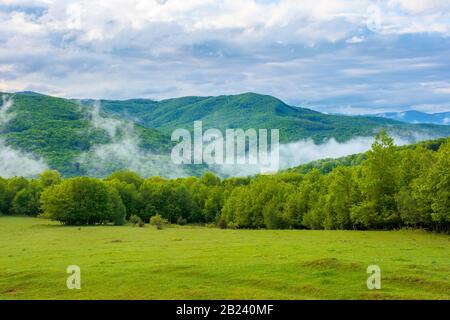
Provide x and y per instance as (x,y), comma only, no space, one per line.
(87,137)
(413,116)
(60,130)
(252,110)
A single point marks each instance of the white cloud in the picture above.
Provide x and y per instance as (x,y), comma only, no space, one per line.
(420,6)
(306,50)
(356,39)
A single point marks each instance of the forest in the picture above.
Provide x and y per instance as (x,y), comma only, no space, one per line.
(389,187)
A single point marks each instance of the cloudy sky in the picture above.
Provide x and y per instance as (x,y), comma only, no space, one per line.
(331,55)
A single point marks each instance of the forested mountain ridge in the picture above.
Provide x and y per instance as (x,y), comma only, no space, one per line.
(59,130)
(251,110)
(66,135)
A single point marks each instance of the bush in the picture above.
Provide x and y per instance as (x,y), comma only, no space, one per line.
(181,221)
(136,221)
(222,223)
(158,221)
(232,225)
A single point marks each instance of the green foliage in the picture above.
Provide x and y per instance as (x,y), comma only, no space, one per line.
(251,110)
(170,198)
(83,201)
(49,178)
(438,187)
(59,130)
(181,221)
(130,196)
(379,186)
(128,177)
(158,221)
(4,205)
(136,221)
(390,189)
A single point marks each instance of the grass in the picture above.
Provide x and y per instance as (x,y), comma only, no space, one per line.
(201,263)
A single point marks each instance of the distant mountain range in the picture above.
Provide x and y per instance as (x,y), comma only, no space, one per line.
(413,116)
(67,134)
(251,110)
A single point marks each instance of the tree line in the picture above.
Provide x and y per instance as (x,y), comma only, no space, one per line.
(391,188)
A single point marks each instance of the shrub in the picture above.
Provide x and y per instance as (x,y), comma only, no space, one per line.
(222,223)
(136,221)
(158,221)
(181,221)
(232,225)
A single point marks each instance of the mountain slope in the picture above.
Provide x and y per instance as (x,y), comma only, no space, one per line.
(59,130)
(76,137)
(252,110)
(413,116)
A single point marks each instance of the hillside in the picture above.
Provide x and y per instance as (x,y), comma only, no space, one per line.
(60,130)
(252,110)
(85,137)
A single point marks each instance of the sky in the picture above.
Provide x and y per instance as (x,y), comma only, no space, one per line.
(336,56)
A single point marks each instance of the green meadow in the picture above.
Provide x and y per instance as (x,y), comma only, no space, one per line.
(186,262)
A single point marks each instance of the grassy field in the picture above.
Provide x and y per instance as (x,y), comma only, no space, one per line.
(201,263)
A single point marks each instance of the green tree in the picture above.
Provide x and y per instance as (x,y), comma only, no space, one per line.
(3,196)
(49,178)
(130,196)
(13,186)
(407,208)
(26,201)
(117,210)
(439,184)
(339,199)
(310,200)
(210,179)
(82,200)
(379,184)
(128,177)
(213,204)
(171,199)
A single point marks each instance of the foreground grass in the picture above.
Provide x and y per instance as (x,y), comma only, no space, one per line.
(200,263)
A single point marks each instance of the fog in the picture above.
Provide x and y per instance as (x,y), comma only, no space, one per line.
(303,151)
(123,152)
(15,162)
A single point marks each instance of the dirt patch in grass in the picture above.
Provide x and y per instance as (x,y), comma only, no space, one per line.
(332,263)
(10,292)
(419,282)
